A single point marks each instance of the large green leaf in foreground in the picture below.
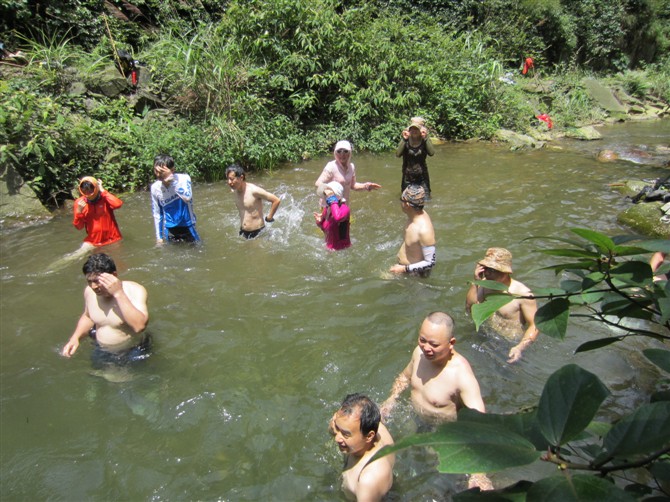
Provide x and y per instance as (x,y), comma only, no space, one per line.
(569,401)
(552,317)
(660,357)
(576,488)
(467,447)
(482,311)
(644,432)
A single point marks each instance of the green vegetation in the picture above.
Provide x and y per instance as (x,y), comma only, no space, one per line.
(263,82)
(607,280)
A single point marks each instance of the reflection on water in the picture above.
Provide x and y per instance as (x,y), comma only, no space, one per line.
(256,342)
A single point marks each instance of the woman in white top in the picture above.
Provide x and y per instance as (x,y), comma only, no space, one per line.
(343,171)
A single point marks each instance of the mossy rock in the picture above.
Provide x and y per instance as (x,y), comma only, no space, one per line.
(517,141)
(587,133)
(629,188)
(603,96)
(645,218)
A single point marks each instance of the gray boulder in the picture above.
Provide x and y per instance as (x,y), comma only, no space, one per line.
(19,204)
(108,82)
(516,140)
(587,133)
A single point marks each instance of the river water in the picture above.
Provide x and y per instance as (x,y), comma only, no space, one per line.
(256,342)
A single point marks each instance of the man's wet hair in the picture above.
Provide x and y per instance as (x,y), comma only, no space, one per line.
(164,160)
(98,264)
(237,169)
(368,411)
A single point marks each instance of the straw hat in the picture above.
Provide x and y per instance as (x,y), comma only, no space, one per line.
(498,259)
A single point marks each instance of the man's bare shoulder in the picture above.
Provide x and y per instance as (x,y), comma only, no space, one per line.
(459,363)
(134,290)
(518,288)
(426,230)
(133,285)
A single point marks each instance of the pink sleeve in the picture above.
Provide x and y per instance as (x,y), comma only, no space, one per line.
(340,212)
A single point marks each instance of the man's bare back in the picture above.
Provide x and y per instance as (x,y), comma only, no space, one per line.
(417,251)
(417,231)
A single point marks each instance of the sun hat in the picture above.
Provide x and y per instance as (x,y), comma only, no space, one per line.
(343,145)
(498,259)
(415,195)
(336,187)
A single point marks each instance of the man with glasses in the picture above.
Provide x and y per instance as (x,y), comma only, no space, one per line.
(417,252)
(510,319)
(343,171)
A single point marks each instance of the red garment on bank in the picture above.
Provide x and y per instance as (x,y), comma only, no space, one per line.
(527,65)
(98,218)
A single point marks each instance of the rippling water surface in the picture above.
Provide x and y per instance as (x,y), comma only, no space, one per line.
(256,342)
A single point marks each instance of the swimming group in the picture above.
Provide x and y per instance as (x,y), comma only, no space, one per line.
(440,379)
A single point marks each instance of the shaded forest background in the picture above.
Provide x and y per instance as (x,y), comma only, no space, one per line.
(265,82)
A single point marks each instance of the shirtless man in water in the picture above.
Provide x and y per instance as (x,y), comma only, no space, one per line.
(441,380)
(359,434)
(417,252)
(116,309)
(249,201)
(509,320)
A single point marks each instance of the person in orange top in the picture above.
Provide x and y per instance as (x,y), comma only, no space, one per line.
(95,211)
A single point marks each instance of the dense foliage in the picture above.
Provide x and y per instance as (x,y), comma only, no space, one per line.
(607,280)
(262,82)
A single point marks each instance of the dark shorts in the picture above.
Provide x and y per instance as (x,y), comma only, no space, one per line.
(183,234)
(101,358)
(250,234)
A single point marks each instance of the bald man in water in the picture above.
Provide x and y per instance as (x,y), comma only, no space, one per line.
(441,380)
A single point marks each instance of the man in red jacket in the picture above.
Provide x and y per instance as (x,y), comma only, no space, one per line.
(95,211)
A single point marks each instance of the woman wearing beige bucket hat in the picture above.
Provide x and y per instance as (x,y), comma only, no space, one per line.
(515,320)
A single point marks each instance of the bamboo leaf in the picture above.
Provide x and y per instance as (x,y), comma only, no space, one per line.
(572,253)
(598,344)
(604,244)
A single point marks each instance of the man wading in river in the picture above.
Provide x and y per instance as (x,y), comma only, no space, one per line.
(116,311)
